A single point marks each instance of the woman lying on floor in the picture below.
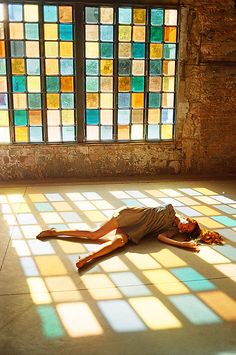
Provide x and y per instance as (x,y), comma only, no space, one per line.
(134,223)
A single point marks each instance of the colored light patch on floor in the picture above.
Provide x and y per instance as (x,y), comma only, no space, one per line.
(10,219)
(227,270)
(14,198)
(135,291)
(165,282)
(190,192)
(211,256)
(155,193)
(168,259)
(62,289)
(50,322)
(187,211)
(70,248)
(21,247)
(43,206)
(154,313)
(102,205)
(227,250)
(187,201)
(85,205)
(226,209)
(193,279)
(172,201)
(54,197)
(131,203)
(15,233)
(113,264)
(220,303)
(39,248)
(207,200)
(207,211)
(31,232)
(20,207)
(95,216)
(100,287)
(205,191)
(29,267)
(26,218)
(149,202)
(51,217)
(194,309)
(223,199)
(135,194)
(5,208)
(171,192)
(78,319)
(37,197)
(209,223)
(62,206)
(38,290)
(228,222)
(119,194)
(50,265)
(70,217)
(227,233)
(142,261)
(75,196)
(90,195)
(121,279)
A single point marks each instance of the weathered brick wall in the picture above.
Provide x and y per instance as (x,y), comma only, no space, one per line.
(206,115)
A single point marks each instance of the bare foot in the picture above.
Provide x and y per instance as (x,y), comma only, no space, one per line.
(47,234)
(81,263)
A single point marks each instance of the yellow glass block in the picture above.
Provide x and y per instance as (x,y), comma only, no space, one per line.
(124,50)
(155,51)
(168,259)
(205,191)
(51,66)
(2,49)
(100,287)
(139,16)
(153,116)
(212,256)
(168,83)
(66,49)
(137,100)
(50,265)
(67,84)
(91,32)
(92,50)
(16,30)
(171,17)
(4,121)
(168,67)
(165,282)
(17,66)
(91,100)
(33,84)
(31,13)
(167,100)
(38,290)
(67,117)
(21,134)
(19,101)
(50,31)
(51,49)
(106,84)
(95,216)
(37,198)
(123,133)
(221,303)
(167,131)
(51,217)
(65,14)
(71,248)
(106,67)
(124,33)
(155,83)
(32,49)
(143,261)
(106,15)
(137,116)
(207,211)
(106,101)
(170,34)
(62,206)
(3,85)
(123,83)
(53,101)
(138,67)
(35,118)
(139,33)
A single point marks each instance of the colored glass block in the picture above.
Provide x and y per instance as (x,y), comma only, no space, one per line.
(67,117)
(2,35)
(124,117)
(92,84)
(153,116)
(155,67)
(3,101)
(138,50)
(53,101)
(138,83)
(106,50)
(123,132)
(154,83)
(17,49)
(32,48)
(50,31)
(139,33)
(34,101)
(106,33)
(137,100)
(91,67)
(153,132)
(19,101)
(91,32)
(16,31)
(35,118)
(35,134)
(51,49)
(67,100)
(136,132)
(2,49)
(106,67)
(155,51)
(2,66)
(4,121)
(124,33)
(106,132)
(31,31)
(123,84)
(169,51)
(67,66)
(33,66)
(124,15)
(67,84)
(123,100)
(170,34)
(106,117)
(51,67)
(106,84)
(168,100)
(33,84)
(154,100)
(15,12)
(92,133)
(157,17)
(106,15)
(66,49)
(52,84)
(50,13)
(68,134)
(3,84)
(139,16)
(106,101)
(31,13)
(166,131)
(65,14)
(20,118)
(156,34)
(167,116)
(92,100)
(4,135)
(168,83)
(54,134)
(124,67)
(53,117)
(18,66)
(91,50)
(18,83)
(171,17)
(65,32)
(92,117)
(21,134)
(124,50)
(168,67)
(91,14)
(138,67)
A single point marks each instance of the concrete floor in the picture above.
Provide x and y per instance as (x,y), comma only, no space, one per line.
(145,299)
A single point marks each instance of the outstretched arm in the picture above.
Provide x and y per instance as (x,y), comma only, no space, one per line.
(190,245)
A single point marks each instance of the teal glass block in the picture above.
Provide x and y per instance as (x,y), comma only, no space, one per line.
(138,83)
(157,17)
(124,67)
(154,100)
(91,67)
(34,101)
(20,118)
(125,15)
(50,13)
(33,66)
(67,66)
(17,49)
(169,51)
(123,117)
(2,66)
(68,133)
(31,31)
(106,133)
(3,101)
(155,67)
(153,132)
(91,14)
(65,32)
(15,12)
(167,116)
(36,134)
(52,84)
(92,117)
(106,50)
(67,100)
(123,100)
(138,50)
(18,83)
(92,84)
(106,33)
(156,34)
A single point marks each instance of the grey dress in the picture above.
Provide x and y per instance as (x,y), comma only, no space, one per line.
(137,222)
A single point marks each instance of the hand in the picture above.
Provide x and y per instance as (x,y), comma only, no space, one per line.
(191,245)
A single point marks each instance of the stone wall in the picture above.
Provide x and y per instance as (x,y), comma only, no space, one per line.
(206,115)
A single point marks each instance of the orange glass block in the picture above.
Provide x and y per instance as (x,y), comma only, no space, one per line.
(31,13)
(3,84)
(91,50)
(153,116)
(66,49)
(124,33)
(19,101)
(2,49)
(137,116)
(91,32)
(4,121)
(106,15)
(65,14)
(168,67)
(106,84)
(21,134)
(139,16)
(167,131)
(91,100)
(106,67)
(51,67)
(35,118)
(170,34)
(17,66)
(137,100)
(155,51)
(50,31)
(124,83)
(51,49)
(53,101)
(167,100)
(106,101)
(123,133)
(68,117)
(16,31)
(67,84)
(138,67)
(155,83)
(139,33)
(33,84)
(124,50)
(32,49)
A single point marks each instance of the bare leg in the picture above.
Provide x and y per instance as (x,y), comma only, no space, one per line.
(98,233)
(106,248)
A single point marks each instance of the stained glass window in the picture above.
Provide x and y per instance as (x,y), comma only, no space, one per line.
(110,77)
